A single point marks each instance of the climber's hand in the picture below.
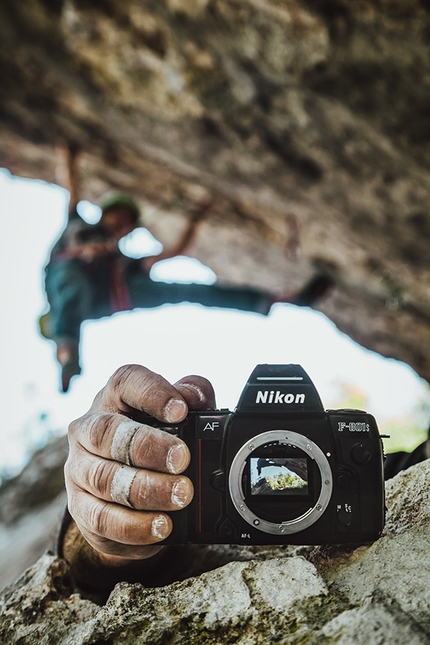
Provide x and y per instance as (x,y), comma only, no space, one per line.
(122,475)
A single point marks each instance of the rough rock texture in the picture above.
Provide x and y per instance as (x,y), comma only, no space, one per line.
(378,594)
(303,124)
(31,506)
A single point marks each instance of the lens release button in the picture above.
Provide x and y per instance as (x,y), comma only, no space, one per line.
(361,453)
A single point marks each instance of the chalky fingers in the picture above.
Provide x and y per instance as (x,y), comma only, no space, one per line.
(137,488)
(115,530)
(120,439)
(123,476)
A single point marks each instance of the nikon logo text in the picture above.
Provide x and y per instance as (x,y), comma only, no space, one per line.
(271,396)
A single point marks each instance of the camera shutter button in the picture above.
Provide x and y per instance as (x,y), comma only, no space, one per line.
(361,453)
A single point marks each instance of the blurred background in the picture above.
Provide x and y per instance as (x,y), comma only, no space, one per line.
(172,340)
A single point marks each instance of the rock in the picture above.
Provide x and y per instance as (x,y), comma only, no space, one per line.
(373,623)
(41,608)
(302,125)
(407,500)
(373,595)
(31,506)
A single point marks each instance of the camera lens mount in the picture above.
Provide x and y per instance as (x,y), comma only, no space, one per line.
(294,440)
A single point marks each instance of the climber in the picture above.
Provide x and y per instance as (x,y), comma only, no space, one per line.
(87,277)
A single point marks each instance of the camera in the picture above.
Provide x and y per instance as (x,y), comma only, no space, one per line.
(280,469)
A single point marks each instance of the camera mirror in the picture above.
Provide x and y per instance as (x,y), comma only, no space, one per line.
(279,476)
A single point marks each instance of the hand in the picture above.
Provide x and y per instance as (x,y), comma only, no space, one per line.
(121,475)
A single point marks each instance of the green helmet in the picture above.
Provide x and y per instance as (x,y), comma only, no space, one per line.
(116,199)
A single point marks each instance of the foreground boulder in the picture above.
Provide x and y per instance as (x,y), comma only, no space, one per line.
(372,594)
(31,506)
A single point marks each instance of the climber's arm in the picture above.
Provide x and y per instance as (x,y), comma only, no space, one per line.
(185,240)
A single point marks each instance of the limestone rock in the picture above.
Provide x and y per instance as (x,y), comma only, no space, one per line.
(31,506)
(377,594)
(40,607)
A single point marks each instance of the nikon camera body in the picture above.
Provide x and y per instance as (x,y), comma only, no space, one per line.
(280,469)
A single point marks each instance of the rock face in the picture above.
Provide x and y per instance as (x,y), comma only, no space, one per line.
(31,507)
(378,594)
(302,126)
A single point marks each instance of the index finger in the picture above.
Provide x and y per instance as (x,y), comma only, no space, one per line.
(134,388)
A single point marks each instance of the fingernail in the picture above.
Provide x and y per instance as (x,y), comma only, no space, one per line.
(177,458)
(175,410)
(160,527)
(180,493)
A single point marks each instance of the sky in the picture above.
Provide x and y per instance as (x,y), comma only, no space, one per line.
(174,341)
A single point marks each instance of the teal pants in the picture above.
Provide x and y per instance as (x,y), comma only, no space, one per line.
(77,291)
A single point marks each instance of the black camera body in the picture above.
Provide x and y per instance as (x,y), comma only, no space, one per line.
(280,469)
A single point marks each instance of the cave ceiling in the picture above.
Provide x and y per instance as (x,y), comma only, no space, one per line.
(295,134)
